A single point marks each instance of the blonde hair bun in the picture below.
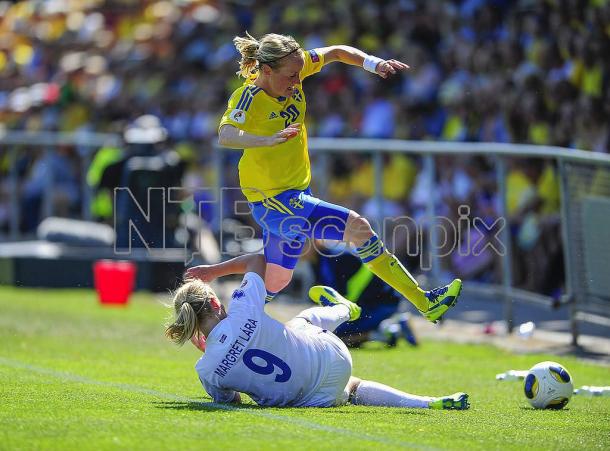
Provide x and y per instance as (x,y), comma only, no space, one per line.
(268,50)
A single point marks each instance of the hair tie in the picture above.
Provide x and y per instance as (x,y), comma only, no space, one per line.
(279,58)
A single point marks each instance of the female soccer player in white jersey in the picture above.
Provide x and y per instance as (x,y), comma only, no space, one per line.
(265,117)
(300,363)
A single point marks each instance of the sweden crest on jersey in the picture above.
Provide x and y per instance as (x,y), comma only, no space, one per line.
(296,202)
(297,95)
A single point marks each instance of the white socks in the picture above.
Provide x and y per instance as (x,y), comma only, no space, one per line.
(371,393)
(328,318)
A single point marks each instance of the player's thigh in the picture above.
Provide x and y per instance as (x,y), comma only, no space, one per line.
(282,252)
(302,324)
(285,215)
(297,214)
(298,323)
(328,221)
(333,389)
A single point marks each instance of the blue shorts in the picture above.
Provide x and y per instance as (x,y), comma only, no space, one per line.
(291,217)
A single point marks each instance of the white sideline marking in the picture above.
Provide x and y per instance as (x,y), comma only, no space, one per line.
(69,377)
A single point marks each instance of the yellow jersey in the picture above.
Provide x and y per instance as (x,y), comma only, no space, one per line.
(268,171)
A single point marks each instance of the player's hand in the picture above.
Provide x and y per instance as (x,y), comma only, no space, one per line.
(389,67)
(205,273)
(284,135)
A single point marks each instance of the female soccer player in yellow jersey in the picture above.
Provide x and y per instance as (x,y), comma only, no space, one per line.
(265,117)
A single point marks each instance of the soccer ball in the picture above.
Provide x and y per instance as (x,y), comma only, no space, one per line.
(548,385)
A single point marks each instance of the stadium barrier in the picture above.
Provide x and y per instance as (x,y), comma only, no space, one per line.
(85,143)
(30,262)
(585,205)
(584,179)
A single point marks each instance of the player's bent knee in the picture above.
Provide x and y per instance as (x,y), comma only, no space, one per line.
(358,229)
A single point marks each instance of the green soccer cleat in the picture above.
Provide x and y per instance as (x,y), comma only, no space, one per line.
(327,297)
(442,299)
(456,401)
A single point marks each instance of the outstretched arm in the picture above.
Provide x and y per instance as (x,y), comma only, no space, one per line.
(238,265)
(355,57)
(233,138)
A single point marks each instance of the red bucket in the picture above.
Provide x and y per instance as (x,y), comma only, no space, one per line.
(114,280)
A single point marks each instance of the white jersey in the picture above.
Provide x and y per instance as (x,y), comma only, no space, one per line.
(250,352)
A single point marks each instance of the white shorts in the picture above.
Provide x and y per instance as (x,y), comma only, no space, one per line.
(332,391)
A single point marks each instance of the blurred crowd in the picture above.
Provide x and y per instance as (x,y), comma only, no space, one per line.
(92,64)
(521,71)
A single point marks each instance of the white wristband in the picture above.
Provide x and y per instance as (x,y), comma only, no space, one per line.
(370,63)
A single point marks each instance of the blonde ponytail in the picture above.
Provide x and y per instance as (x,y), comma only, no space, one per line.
(191,305)
(248,48)
(269,50)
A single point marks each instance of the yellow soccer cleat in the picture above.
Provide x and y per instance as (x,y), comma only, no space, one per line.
(327,297)
(442,299)
(457,401)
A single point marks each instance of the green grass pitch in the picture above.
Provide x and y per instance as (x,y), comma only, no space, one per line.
(78,376)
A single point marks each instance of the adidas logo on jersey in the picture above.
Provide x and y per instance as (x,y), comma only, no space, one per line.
(273,115)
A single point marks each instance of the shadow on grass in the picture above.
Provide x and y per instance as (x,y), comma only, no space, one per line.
(533,409)
(203,405)
(366,410)
(209,406)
